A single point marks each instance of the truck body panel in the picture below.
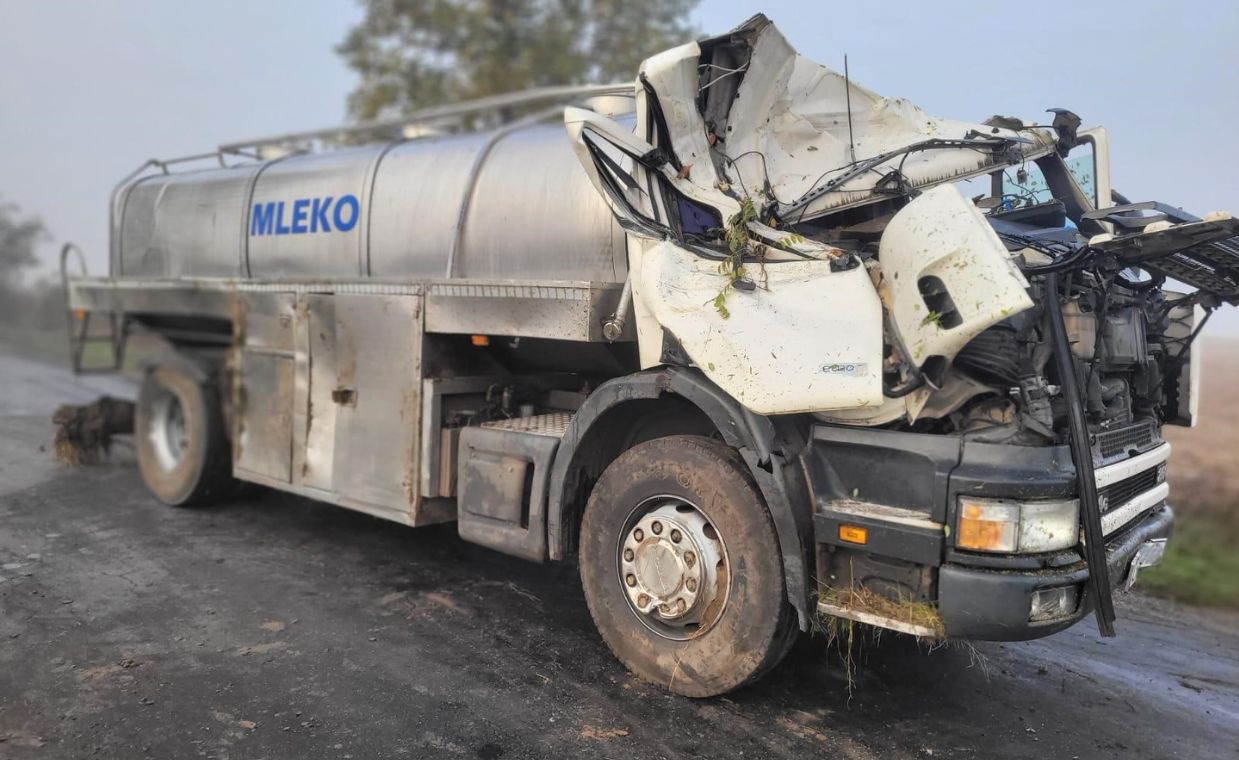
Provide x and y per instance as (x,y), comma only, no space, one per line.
(742,248)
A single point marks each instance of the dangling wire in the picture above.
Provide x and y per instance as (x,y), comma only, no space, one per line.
(727,72)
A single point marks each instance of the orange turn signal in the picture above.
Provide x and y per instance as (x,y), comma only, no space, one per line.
(479,340)
(854,534)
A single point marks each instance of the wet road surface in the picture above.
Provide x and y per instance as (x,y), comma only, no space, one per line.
(278,627)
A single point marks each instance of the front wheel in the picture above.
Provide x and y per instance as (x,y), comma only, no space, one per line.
(681,567)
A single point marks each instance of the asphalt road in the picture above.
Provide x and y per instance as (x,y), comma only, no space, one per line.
(281,628)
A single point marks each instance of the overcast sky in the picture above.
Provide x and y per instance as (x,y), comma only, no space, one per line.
(92,89)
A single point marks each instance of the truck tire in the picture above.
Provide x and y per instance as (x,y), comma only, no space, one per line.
(681,567)
(182,445)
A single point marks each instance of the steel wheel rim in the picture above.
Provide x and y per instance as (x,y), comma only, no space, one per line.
(673,568)
(168,434)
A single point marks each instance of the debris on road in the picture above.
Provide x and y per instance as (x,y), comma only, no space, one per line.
(602,733)
(84,433)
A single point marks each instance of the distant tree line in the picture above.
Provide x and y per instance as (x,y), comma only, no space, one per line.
(25,301)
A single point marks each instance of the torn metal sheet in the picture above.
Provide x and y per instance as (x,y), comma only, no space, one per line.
(680,187)
(784,126)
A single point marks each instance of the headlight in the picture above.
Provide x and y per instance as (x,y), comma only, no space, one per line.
(1023,527)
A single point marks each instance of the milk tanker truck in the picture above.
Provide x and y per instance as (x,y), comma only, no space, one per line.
(746,341)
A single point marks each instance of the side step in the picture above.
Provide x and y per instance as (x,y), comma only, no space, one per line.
(504,470)
(879,621)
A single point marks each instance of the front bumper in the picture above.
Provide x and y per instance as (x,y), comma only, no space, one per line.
(993,605)
(902,489)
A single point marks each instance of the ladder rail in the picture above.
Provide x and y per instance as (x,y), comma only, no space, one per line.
(78,325)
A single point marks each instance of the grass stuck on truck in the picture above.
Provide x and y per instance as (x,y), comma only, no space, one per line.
(750,344)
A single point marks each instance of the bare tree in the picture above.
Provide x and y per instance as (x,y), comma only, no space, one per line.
(19,238)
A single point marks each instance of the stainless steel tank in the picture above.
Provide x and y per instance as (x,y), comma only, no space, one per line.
(513,204)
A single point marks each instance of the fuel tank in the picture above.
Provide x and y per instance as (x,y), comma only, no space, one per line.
(513,204)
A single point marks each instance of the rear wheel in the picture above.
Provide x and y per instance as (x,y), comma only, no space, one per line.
(182,444)
(681,567)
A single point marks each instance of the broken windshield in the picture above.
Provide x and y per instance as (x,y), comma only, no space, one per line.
(1026,185)
(1026,196)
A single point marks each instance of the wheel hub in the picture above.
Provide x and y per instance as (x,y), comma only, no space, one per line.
(168,432)
(672,568)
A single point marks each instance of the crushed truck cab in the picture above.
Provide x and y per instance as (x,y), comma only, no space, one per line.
(746,341)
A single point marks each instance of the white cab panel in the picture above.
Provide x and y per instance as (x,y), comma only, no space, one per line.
(811,340)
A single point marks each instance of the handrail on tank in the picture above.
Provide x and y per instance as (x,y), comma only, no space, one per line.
(428,116)
(424,117)
(162,165)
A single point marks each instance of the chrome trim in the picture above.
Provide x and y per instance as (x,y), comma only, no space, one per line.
(864,510)
(1149,554)
(1113,473)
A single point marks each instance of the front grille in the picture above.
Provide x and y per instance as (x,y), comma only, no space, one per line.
(1111,443)
(1118,494)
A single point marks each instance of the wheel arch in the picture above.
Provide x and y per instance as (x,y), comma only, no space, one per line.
(673,400)
(193,365)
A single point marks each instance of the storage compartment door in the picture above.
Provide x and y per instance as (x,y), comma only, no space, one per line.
(264,400)
(378,398)
(364,401)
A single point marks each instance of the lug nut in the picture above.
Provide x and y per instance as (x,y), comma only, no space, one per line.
(643,600)
(676,536)
(690,584)
(638,535)
(657,527)
(628,555)
(664,609)
(681,606)
(630,579)
(690,559)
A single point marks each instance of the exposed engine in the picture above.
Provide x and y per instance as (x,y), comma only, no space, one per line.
(1129,363)
(1129,335)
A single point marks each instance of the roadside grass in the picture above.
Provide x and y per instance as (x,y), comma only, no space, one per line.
(1201,565)
(46,344)
(51,346)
